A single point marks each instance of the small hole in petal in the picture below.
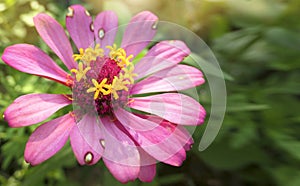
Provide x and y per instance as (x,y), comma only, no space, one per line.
(154,26)
(101,33)
(87,13)
(70,12)
(88,158)
(102,142)
(92,27)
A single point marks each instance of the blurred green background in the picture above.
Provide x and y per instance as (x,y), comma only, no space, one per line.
(257,43)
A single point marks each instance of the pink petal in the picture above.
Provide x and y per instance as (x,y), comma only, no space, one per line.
(160,142)
(119,147)
(147,173)
(89,128)
(179,77)
(174,107)
(182,135)
(139,32)
(55,37)
(80,27)
(176,159)
(148,168)
(123,173)
(82,149)
(106,27)
(48,139)
(121,156)
(33,108)
(181,132)
(32,60)
(163,55)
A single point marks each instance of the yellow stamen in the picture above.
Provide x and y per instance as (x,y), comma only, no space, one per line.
(130,101)
(89,54)
(80,73)
(69,97)
(119,55)
(113,50)
(78,56)
(119,84)
(102,87)
(128,73)
(123,61)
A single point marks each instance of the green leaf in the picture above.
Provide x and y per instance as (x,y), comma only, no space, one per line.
(283,38)
(223,157)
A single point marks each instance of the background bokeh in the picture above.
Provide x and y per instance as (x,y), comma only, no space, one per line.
(257,43)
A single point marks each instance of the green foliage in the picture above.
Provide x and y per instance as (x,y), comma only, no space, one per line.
(257,48)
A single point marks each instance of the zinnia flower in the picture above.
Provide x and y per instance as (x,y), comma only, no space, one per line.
(130,114)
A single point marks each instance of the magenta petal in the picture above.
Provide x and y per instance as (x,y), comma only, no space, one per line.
(106,27)
(90,130)
(32,60)
(139,32)
(33,108)
(160,142)
(163,55)
(147,173)
(181,132)
(82,150)
(119,148)
(179,77)
(79,25)
(123,173)
(148,167)
(55,37)
(176,159)
(121,156)
(182,135)
(174,107)
(48,139)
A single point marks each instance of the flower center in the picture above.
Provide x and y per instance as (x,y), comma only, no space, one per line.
(101,82)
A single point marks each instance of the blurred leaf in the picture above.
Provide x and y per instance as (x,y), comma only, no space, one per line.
(287,175)
(227,158)
(37,175)
(286,142)
(246,107)
(284,38)
(171,179)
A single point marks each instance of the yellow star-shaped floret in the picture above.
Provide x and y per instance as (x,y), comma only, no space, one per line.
(80,73)
(102,87)
(128,73)
(119,84)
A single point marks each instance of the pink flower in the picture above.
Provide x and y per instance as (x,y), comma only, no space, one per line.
(105,83)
